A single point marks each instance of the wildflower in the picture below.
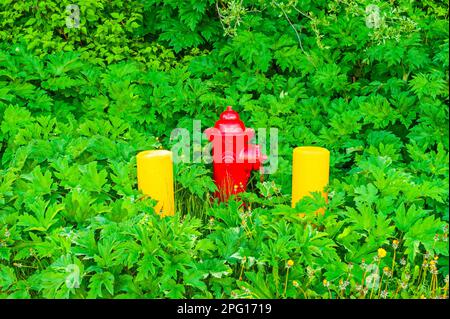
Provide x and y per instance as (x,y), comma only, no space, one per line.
(381,253)
(363,264)
(395,243)
(427,255)
(358,287)
(290,263)
(295,283)
(245,289)
(235,187)
(404,285)
(407,276)
(403,261)
(341,285)
(436,257)
(386,271)
(445,228)
(326,283)
(425,264)
(373,280)
(384,294)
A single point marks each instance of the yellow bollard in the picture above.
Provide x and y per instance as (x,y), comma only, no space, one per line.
(310,172)
(155,179)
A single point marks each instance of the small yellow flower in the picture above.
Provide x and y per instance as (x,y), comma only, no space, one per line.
(290,263)
(295,283)
(436,257)
(325,283)
(381,253)
(386,269)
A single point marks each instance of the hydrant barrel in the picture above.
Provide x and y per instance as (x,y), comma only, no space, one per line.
(155,179)
(310,172)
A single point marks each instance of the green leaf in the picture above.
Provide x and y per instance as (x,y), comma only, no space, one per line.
(98,282)
(7,277)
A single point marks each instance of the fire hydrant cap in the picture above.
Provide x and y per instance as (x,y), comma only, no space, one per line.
(230,122)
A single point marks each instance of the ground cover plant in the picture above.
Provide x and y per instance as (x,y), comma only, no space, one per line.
(368,80)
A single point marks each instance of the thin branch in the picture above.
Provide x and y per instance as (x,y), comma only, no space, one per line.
(289,20)
(220,15)
(302,13)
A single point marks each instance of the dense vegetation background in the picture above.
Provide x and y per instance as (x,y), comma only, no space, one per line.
(77,104)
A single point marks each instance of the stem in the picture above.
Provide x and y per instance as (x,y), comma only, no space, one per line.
(422,280)
(393,262)
(285,284)
(304,293)
(433,284)
(381,283)
(242,270)
(362,283)
(378,267)
(396,291)
(386,285)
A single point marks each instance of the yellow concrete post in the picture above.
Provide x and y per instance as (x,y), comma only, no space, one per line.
(155,179)
(310,172)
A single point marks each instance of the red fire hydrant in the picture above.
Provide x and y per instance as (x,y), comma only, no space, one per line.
(233,157)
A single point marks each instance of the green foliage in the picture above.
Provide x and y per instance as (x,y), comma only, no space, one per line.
(77,105)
